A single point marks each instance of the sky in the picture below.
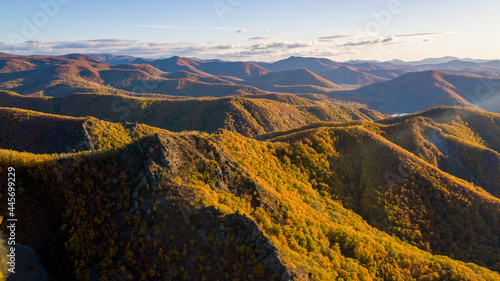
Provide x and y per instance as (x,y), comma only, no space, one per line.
(254,30)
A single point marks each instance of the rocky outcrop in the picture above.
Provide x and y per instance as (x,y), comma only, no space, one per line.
(28,267)
(156,159)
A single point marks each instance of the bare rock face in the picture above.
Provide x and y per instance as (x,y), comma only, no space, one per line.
(28,267)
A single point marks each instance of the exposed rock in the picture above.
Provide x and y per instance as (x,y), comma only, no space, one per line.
(28,267)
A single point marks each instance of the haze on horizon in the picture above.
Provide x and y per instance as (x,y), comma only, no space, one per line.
(254,30)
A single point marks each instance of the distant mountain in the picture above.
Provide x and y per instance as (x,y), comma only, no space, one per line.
(387,73)
(113,59)
(321,66)
(135,68)
(492,64)
(423,90)
(426,61)
(198,77)
(485,72)
(447,64)
(315,65)
(295,77)
(454,64)
(183,77)
(173,64)
(80,57)
(63,76)
(243,70)
(366,65)
(351,76)
(48,76)
(4,55)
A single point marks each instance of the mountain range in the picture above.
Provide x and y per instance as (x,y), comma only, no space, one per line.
(417,91)
(303,169)
(378,87)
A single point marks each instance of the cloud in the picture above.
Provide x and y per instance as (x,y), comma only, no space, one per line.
(97,44)
(420,34)
(242,30)
(267,30)
(271,37)
(282,45)
(272,50)
(338,36)
(377,41)
(227,47)
(112,46)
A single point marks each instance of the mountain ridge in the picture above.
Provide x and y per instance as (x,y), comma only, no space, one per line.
(435,88)
(269,201)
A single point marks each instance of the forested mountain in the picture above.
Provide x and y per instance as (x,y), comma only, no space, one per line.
(327,201)
(58,77)
(351,76)
(249,115)
(315,65)
(418,91)
(182,77)
(301,76)
(31,131)
(187,169)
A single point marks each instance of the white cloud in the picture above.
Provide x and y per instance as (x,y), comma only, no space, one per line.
(270,37)
(227,47)
(420,34)
(242,30)
(377,41)
(263,51)
(338,36)
(282,45)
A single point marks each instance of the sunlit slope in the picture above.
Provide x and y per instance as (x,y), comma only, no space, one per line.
(249,115)
(222,207)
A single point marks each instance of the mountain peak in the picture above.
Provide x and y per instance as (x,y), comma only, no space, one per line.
(81,57)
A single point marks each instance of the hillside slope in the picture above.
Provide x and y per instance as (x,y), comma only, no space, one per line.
(398,192)
(315,65)
(295,77)
(351,76)
(221,206)
(461,142)
(243,70)
(249,115)
(63,76)
(31,131)
(419,91)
